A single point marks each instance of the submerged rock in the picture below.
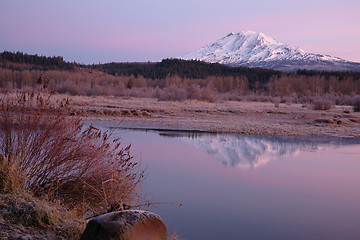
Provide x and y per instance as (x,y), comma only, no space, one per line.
(126,225)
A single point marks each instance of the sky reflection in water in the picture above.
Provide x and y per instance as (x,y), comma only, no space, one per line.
(251,187)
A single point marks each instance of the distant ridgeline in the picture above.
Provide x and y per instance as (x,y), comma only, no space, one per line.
(34,62)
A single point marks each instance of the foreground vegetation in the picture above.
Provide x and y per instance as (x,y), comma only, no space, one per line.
(50,162)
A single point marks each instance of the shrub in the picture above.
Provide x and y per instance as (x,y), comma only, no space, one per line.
(289,100)
(356,104)
(276,101)
(322,104)
(194,92)
(209,93)
(52,154)
(171,93)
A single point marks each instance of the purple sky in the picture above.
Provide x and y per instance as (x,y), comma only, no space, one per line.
(143,30)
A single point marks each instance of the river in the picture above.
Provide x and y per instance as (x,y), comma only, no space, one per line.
(231,186)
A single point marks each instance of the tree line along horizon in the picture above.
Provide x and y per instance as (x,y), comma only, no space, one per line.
(20,70)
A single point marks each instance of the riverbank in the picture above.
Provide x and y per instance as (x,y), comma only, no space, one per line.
(260,118)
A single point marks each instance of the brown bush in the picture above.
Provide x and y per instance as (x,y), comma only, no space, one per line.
(356,104)
(171,93)
(276,101)
(209,93)
(52,154)
(322,104)
(194,92)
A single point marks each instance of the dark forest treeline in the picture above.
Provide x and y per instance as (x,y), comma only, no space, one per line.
(327,75)
(36,62)
(192,69)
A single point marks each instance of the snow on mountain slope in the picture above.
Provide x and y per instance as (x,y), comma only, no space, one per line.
(253,49)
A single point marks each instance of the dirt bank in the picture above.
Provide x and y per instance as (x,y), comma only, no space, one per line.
(227,116)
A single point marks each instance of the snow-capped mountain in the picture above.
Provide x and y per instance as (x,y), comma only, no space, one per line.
(253,49)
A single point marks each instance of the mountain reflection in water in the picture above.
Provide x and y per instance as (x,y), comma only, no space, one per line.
(248,152)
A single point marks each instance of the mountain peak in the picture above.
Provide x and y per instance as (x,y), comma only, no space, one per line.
(252,49)
(230,34)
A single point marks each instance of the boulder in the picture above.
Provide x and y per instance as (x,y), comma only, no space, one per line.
(126,225)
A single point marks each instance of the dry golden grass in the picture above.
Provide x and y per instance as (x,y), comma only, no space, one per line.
(22,216)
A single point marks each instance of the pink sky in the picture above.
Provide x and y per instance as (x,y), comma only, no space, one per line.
(110,30)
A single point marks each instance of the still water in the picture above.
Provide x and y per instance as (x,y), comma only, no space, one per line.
(251,187)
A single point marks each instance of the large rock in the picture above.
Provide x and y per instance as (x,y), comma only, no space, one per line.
(126,225)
